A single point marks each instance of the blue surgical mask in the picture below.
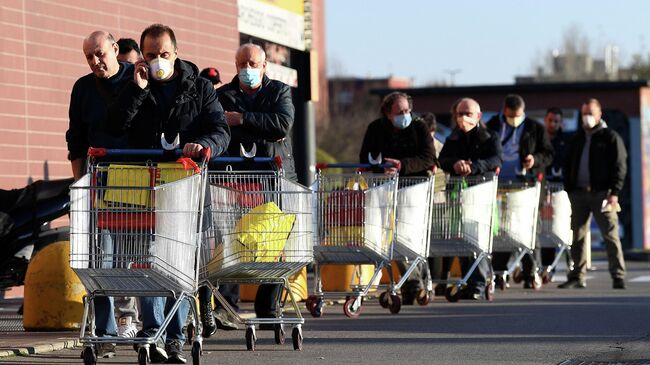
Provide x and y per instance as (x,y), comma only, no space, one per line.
(402,121)
(250,76)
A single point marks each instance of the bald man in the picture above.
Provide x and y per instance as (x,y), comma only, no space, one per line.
(89,126)
(259,111)
(471,150)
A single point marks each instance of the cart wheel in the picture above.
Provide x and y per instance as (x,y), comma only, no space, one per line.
(395,304)
(383,299)
(279,334)
(489,291)
(196,353)
(190,332)
(424,297)
(143,356)
(315,306)
(250,339)
(452,293)
(296,337)
(88,355)
(517,275)
(500,282)
(350,308)
(547,277)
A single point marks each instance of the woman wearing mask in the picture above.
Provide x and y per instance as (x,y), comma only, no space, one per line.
(408,146)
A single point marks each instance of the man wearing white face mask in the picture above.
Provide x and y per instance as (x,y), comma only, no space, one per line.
(471,150)
(595,170)
(168,105)
(527,151)
(408,145)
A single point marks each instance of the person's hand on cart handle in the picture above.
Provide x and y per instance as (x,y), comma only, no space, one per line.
(397,165)
(234,119)
(529,161)
(141,74)
(192,150)
(463,167)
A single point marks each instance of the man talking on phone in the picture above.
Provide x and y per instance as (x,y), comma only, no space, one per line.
(168,105)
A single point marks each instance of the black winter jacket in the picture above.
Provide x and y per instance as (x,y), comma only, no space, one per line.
(607,161)
(89,113)
(412,146)
(480,145)
(196,114)
(267,120)
(559,143)
(534,141)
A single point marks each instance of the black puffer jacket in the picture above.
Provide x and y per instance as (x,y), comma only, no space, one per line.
(534,141)
(480,145)
(607,161)
(196,114)
(267,120)
(412,146)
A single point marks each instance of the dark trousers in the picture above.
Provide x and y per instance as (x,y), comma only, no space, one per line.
(415,281)
(584,204)
(266,300)
(440,267)
(229,291)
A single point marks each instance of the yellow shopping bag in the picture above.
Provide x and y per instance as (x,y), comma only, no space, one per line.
(261,234)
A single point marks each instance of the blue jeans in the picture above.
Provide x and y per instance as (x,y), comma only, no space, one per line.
(105,324)
(155,309)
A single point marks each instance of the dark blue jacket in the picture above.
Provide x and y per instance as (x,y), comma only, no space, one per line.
(268,119)
(89,108)
(196,113)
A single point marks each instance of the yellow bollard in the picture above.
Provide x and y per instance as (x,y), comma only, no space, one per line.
(53,292)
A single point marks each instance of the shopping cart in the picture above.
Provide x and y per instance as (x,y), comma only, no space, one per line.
(462,225)
(412,234)
(135,231)
(261,234)
(518,205)
(355,220)
(554,225)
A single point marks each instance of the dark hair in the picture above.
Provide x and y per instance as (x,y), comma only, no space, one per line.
(211,74)
(389,100)
(513,102)
(593,101)
(157,30)
(430,120)
(554,110)
(127,45)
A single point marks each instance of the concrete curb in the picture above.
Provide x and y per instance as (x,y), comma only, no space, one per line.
(39,348)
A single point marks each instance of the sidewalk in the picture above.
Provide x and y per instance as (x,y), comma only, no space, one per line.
(14,340)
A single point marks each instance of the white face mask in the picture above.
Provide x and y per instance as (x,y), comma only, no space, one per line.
(589,121)
(515,122)
(160,68)
(466,123)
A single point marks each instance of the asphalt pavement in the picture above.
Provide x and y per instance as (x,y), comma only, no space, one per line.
(597,325)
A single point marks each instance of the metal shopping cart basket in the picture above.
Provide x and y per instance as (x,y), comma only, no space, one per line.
(518,206)
(462,225)
(554,229)
(135,231)
(261,234)
(412,234)
(355,220)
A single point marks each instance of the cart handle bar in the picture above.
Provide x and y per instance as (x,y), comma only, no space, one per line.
(277,160)
(323,166)
(103,152)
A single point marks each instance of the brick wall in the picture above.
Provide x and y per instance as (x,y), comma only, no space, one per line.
(41,58)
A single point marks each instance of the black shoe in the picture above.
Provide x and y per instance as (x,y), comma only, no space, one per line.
(533,282)
(174,350)
(573,284)
(157,352)
(106,350)
(207,319)
(618,283)
(408,297)
(473,293)
(439,290)
(224,321)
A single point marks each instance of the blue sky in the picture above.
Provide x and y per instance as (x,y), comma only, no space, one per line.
(489,41)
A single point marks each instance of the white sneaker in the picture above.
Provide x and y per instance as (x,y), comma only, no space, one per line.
(125,327)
